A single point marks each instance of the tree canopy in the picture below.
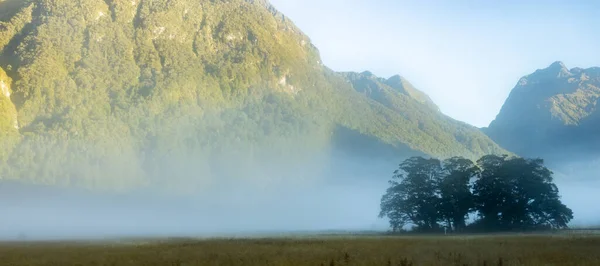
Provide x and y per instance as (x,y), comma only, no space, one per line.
(504,193)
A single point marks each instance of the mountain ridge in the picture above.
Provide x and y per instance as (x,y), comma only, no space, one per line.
(168,94)
(550,111)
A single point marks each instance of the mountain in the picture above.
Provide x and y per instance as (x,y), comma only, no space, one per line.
(553,113)
(188,95)
(381,90)
(436,133)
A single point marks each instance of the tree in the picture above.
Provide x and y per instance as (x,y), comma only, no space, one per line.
(507,194)
(456,197)
(517,194)
(490,190)
(414,196)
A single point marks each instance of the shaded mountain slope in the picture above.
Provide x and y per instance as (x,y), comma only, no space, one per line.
(552,113)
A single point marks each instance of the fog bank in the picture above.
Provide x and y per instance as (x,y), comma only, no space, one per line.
(229,212)
(345,197)
(582,197)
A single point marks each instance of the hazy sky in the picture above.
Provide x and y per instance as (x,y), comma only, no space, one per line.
(467,55)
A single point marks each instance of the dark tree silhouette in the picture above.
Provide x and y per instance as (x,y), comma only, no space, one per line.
(413,196)
(456,197)
(491,191)
(507,194)
(517,193)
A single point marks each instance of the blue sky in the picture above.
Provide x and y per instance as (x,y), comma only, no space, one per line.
(467,55)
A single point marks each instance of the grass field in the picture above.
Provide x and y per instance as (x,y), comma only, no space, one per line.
(333,250)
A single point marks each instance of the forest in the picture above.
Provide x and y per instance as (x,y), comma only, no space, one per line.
(118,95)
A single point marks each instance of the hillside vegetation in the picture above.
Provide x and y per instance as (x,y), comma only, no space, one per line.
(177,94)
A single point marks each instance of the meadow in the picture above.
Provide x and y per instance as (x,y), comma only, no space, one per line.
(492,250)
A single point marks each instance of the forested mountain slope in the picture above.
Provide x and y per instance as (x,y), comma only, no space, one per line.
(428,125)
(552,113)
(184,94)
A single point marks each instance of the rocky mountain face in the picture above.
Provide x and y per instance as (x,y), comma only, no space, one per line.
(552,113)
(188,95)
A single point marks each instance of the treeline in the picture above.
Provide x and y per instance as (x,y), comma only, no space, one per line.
(496,193)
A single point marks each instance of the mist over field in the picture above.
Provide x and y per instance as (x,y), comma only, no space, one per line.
(347,200)
(582,198)
(580,191)
(310,210)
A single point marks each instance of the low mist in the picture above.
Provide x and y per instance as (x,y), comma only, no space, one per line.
(343,196)
(580,191)
(240,213)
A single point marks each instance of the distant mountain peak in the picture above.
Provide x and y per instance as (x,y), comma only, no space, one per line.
(549,111)
(395,78)
(558,64)
(556,69)
(368,74)
(375,87)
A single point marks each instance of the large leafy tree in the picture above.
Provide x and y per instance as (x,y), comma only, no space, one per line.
(518,193)
(491,191)
(413,196)
(455,188)
(507,194)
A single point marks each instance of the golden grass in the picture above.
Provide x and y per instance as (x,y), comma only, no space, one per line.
(401,251)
